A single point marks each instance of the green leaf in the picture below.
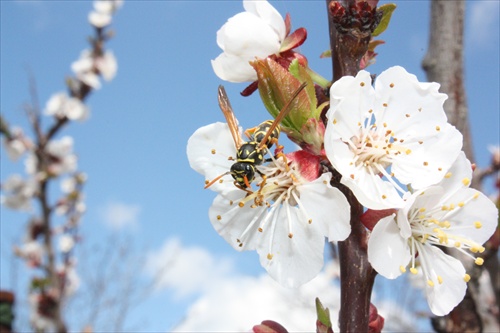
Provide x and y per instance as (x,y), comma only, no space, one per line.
(387,10)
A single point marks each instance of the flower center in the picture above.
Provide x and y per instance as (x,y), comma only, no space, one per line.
(433,227)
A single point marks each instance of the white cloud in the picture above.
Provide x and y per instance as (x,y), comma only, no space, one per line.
(118,215)
(483,20)
(228,301)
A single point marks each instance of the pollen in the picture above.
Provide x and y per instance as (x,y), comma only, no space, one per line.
(362,84)
(269,256)
(448,175)
(466,181)
(408,151)
(206,182)
(384,196)
(438,128)
(478,225)
(413,270)
(334,121)
(458,244)
(466,277)
(219,217)
(391,85)
(476,195)
(430,283)
(440,279)
(385,124)
(402,269)
(213,151)
(479,261)
(461,204)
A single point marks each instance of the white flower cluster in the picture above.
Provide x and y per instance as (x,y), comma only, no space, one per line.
(392,145)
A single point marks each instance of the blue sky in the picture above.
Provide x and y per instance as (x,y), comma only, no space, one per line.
(133,146)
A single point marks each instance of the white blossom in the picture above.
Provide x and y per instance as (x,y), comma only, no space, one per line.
(17,144)
(395,133)
(257,32)
(449,214)
(61,105)
(101,16)
(285,219)
(18,192)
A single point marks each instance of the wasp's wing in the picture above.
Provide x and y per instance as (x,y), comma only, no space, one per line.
(282,114)
(231,120)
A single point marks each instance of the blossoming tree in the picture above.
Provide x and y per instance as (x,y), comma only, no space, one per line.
(379,169)
(50,160)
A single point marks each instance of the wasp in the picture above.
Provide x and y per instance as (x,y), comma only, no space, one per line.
(251,153)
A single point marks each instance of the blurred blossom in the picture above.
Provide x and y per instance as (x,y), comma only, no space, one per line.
(18,192)
(66,243)
(449,214)
(395,132)
(88,67)
(101,16)
(60,158)
(495,156)
(31,251)
(257,32)
(60,105)
(70,278)
(17,144)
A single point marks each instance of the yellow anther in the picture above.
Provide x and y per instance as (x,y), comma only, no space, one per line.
(426,163)
(481,249)
(260,229)
(448,175)
(241,204)
(458,244)
(290,235)
(213,151)
(438,128)
(467,278)
(474,249)
(444,207)
(384,196)
(334,121)
(440,279)
(391,85)
(466,181)
(413,270)
(479,261)
(362,84)
(476,195)
(402,269)
(461,204)
(421,210)
(430,283)
(408,151)
(269,256)
(478,225)
(310,221)
(218,217)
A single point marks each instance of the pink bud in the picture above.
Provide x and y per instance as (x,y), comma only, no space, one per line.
(376,323)
(371,217)
(269,326)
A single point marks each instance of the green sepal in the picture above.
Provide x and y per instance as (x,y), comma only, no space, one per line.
(387,10)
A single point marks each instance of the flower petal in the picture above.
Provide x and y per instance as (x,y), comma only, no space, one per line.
(443,297)
(387,250)
(208,150)
(328,207)
(294,260)
(268,14)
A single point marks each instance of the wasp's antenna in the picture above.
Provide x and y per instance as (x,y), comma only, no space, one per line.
(216,179)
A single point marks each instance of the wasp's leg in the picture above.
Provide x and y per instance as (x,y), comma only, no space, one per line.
(249,132)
